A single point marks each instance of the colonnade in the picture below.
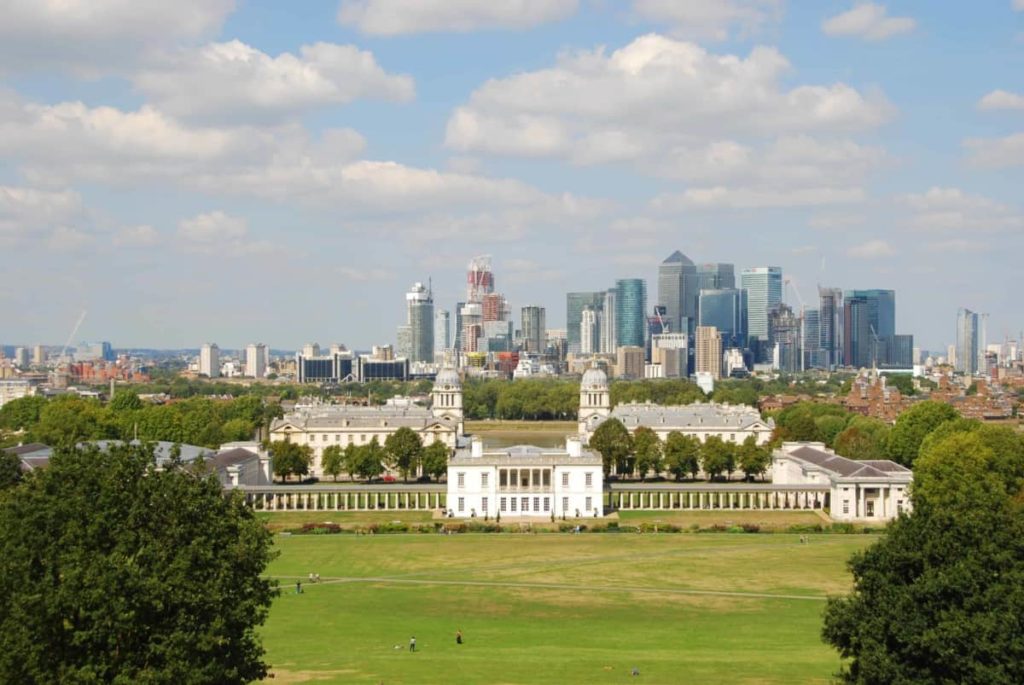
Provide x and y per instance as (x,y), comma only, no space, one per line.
(284,499)
(717,498)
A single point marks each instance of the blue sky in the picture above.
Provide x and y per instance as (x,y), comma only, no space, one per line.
(283,172)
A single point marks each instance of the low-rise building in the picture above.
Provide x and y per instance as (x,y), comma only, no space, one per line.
(868,490)
(525,482)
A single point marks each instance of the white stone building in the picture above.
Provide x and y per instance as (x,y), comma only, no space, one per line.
(321,426)
(525,482)
(11,390)
(732,423)
(870,490)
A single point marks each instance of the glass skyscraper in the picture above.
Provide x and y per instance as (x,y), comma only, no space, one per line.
(726,310)
(968,342)
(574,305)
(869,320)
(678,289)
(630,311)
(830,317)
(764,293)
(716,276)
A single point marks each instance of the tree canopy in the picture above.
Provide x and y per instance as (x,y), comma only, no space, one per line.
(404,449)
(717,457)
(290,458)
(941,597)
(112,570)
(647,449)
(913,426)
(435,460)
(682,455)
(614,443)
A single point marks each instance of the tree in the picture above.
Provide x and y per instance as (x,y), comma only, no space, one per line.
(913,426)
(435,460)
(332,461)
(112,570)
(717,457)
(682,455)
(613,442)
(10,469)
(22,413)
(647,450)
(125,400)
(863,438)
(404,449)
(939,598)
(237,430)
(290,458)
(754,459)
(370,460)
(351,460)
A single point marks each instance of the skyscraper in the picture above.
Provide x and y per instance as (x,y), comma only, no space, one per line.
(420,319)
(784,336)
(830,326)
(209,360)
(869,319)
(716,276)
(534,324)
(709,351)
(589,332)
(881,309)
(726,310)
(256,360)
(606,323)
(574,305)
(814,356)
(678,288)
(442,333)
(630,311)
(969,352)
(764,293)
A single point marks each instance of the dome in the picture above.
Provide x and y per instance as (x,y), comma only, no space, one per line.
(447,377)
(595,378)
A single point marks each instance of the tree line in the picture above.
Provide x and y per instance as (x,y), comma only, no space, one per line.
(643,453)
(403,451)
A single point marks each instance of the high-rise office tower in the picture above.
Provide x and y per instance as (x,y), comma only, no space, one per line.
(479,284)
(256,360)
(310,350)
(716,276)
(814,356)
(209,360)
(709,351)
(629,361)
(442,333)
(574,306)
(589,332)
(764,293)
(831,319)
(678,289)
(869,318)
(457,342)
(630,312)
(726,310)
(38,355)
(606,323)
(21,357)
(970,353)
(420,321)
(534,325)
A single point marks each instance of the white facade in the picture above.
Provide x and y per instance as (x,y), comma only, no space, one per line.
(209,360)
(256,360)
(863,491)
(525,482)
(15,389)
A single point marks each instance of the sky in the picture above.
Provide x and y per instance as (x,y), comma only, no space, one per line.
(245,170)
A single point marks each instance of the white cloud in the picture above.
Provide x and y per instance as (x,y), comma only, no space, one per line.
(720,197)
(869,21)
(709,18)
(1018,5)
(234,81)
(212,228)
(1001,99)
(947,210)
(996,153)
(872,249)
(27,212)
(395,17)
(68,238)
(959,245)
(87,34)
(141,236)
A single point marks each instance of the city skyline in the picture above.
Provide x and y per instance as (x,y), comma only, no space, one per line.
(246,173)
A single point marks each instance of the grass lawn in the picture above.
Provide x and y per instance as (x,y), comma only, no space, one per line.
(556,608)
(767,520)
(280,520)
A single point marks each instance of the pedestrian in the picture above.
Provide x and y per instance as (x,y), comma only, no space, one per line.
(412,644)
(458,637)
(298,587)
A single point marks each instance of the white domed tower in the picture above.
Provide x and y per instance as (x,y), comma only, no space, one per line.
(595,401)
(447,395)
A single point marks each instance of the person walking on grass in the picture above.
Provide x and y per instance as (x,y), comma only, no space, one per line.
(412,644)
(458,637)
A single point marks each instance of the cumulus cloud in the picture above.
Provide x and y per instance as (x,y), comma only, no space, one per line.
(720,197)
(713,19)
(872,249)
(213,227)
(89,34)
(996,153)
(395,17)
(869,21)
(137,236)
(1001,99)
(235,81)
(27,212)
(939,210)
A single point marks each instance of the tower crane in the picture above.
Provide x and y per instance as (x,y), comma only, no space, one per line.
(78,324)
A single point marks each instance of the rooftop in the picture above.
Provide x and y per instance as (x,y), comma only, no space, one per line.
(847,468)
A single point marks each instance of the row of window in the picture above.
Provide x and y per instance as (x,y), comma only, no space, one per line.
(522,504)
(523,478)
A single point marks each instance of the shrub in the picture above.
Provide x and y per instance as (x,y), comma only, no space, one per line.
(805,528)
(319,529)
(751,528)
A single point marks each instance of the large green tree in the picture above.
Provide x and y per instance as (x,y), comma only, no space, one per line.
(369,461)
(940,598)
(403,450)
(114,571)
(10,469)
(290,458)
(753,459)
(863,438)
(614,443)
(332,461)
(913,426)
(647,450)
(435,460)
(717,457)
(682,455)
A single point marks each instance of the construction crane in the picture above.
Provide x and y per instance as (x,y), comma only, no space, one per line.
(874,348)
(78,324)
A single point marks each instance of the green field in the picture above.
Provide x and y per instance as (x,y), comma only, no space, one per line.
(556,608)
